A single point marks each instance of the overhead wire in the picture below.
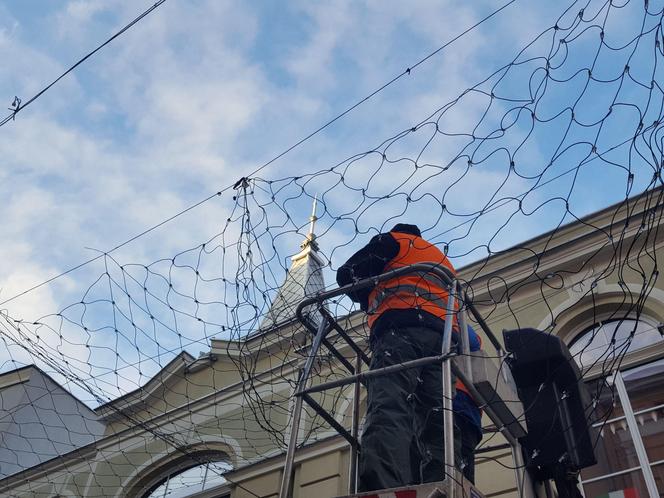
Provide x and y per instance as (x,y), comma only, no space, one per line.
(18,105)
(301,141)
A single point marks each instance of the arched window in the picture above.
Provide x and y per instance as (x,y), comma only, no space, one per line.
(628,414)
(191,480)
(608,340)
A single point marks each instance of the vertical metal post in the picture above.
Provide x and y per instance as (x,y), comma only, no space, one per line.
(464,338)
(355,429)
(519,468)
(448,415)
(286,490)
(549,492)
(531,489)
(505,371)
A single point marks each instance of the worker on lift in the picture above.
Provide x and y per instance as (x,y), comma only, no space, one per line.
(406,316)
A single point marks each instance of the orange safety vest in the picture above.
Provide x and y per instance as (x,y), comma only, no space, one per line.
(418,290)
(460,386)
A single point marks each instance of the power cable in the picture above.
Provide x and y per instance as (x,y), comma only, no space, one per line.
(18,105)
(91,260)
(407,71)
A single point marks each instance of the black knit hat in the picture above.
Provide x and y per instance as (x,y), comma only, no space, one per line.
(404,228)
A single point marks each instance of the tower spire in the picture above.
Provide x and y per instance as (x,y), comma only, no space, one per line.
(304,278)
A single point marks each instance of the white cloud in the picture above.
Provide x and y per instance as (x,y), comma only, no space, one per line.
(186,102)
(312,62)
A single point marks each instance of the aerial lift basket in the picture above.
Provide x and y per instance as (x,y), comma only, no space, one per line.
(490,385)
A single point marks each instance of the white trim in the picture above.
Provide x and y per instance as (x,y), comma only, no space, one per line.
(630,417)
(636,437)
(220,489)
(93,468)
(646,410)
(128,401)
(610,421)
(345,410)
(611,294)
(571,242)
(608,476)
(633,359)
(21,378)
(228,441)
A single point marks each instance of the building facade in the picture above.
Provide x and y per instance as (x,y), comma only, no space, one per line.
(217,425)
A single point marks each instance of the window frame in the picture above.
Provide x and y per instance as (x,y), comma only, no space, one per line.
(174,464)
(179,471)
(633,355)
(632,359)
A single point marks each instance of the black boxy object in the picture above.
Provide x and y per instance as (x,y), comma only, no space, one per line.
(556,403)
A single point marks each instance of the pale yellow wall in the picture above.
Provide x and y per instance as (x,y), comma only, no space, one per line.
(323,476)
(265,486)
(180,389)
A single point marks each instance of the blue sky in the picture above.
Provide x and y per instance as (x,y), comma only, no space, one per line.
(201,93)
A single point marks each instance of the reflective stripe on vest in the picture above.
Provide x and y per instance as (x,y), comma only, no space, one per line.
(418,290)
(432,278)
(406,292)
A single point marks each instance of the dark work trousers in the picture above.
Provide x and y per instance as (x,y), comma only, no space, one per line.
(402,440)
(470,436)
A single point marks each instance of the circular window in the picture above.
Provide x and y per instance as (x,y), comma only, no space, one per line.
(608,340)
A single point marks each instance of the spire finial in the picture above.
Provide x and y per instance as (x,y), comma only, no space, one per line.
(313,218)
(310,239)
